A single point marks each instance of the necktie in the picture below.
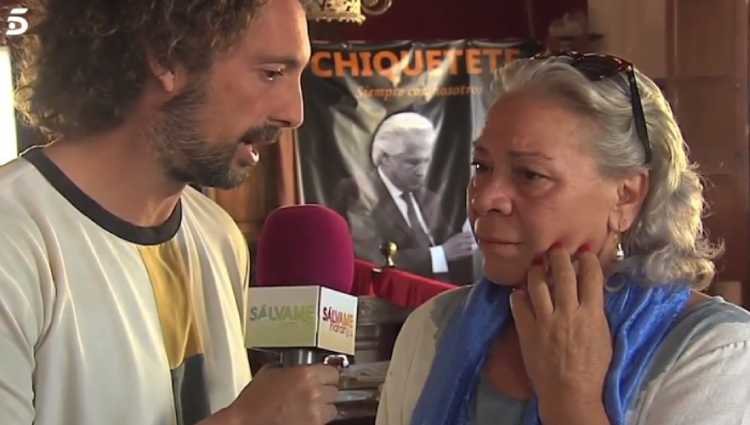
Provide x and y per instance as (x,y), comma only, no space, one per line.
(422,238)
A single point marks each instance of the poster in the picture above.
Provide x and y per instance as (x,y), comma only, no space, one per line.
(387,142)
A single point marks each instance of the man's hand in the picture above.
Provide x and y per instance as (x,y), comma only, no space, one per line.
(458,246)
(301,395)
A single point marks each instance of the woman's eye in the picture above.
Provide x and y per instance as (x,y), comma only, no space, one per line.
(529,175)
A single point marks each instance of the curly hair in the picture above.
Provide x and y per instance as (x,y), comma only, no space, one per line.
(667,242)
(84,63)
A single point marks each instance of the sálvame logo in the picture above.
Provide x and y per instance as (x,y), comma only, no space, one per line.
(297,313)
(339,321)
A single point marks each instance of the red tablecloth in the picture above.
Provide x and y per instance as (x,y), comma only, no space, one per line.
(397,286)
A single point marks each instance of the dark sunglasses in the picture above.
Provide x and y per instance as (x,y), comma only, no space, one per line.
(597,66)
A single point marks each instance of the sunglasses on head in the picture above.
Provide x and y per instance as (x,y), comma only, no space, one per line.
(597,66)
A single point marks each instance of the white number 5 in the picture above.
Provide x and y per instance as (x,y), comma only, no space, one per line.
(17,25)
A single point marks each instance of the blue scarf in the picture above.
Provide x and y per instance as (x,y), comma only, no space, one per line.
(639,319)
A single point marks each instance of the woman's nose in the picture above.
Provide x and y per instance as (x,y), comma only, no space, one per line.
(489,196)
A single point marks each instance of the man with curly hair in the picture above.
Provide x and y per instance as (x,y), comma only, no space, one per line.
(122,289)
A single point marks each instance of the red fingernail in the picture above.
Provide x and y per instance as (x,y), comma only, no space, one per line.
(584,248)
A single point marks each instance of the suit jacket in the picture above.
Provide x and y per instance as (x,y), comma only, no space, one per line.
(374,218)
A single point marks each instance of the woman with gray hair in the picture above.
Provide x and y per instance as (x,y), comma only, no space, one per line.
(588,214)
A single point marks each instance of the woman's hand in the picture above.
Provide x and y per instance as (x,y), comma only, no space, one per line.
(564,336)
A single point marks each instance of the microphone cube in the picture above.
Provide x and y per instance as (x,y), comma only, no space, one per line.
(310,316)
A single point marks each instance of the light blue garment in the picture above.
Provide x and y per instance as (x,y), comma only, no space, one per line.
(639,319)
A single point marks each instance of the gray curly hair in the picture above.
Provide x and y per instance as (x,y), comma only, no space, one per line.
(667,242)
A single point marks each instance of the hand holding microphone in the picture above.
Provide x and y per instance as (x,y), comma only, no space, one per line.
(300,395)
(301,309)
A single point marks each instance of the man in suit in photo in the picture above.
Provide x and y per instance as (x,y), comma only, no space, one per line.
(394,205)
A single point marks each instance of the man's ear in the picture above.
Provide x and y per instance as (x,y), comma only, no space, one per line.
(168,78)
(631,192)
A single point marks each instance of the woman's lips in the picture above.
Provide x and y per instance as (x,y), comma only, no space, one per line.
(499,247)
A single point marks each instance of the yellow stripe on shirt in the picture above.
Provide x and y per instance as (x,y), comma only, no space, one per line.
(166,266)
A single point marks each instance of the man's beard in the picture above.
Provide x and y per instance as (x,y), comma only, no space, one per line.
(187,156)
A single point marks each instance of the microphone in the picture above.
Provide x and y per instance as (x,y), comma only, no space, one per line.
(301,305)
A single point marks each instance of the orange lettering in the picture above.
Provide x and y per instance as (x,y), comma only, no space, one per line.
(342,64)
(366,58)
(434,59)
(415,67)
(494,55)
(473,62)
(315,64)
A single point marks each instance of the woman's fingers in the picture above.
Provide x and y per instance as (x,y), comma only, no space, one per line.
(563,280)
(566,284)
(538,291)
(523,315)
(590,280)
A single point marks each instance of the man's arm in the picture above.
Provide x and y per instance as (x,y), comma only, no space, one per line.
(459,246)
(439,259)
(22,321)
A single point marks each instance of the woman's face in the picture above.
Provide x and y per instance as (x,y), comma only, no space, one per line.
(535,182)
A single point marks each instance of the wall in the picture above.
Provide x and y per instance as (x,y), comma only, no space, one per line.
(698,51)
(633,29)
(428,19)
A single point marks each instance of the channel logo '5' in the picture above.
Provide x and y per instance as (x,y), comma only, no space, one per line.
(17,24)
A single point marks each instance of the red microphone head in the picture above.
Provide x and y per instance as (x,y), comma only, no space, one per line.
(306,245)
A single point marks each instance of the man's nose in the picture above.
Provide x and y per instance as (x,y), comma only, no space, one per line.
(290,110)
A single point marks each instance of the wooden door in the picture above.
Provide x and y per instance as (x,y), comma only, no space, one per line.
(706,82)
